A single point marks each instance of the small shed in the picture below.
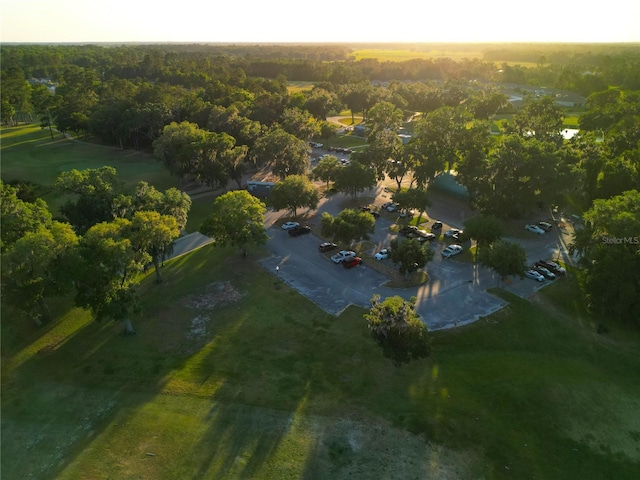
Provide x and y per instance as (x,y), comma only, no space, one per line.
(360,130)
(259,189)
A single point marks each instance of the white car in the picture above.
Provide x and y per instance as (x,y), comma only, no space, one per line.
(382,254)
(451,250)
(290,225)
(453,232)
(392,208)
(532,274)
(534,229)
(342,255)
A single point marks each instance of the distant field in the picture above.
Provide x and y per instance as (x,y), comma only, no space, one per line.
(389,55)
(400,55)
(299,86)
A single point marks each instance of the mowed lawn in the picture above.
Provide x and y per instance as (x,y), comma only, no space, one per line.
(28,153)
(233,375)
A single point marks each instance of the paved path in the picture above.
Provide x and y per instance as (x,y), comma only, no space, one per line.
(189,243)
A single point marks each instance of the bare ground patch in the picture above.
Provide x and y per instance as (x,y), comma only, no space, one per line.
(216,294)
(187,333)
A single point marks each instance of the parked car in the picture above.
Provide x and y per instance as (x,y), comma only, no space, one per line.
(342,255)
(407,213)
(315,144)
(297,231)
(385,205)
(421,233)
(545,272)
(351,262)
(326,246)
(408,230)
(546,226)
(451,250)
(290,225)
(426,238)
(453,233)
(534,229)
(436,226)
(532,274)
(393,207)
(382,254)
(552,266)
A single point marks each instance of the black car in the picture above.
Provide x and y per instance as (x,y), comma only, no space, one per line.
(552,267)
(436,226)
(326,246)
(545,272)
(294,232)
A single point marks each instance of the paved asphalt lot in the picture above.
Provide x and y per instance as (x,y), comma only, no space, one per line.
(454,295)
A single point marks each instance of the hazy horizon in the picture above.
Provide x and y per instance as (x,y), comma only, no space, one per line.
(286,21)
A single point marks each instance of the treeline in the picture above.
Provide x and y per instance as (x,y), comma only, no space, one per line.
(579,68)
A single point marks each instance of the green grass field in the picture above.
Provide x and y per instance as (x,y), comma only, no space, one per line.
(402,55)
(233,375)
(28,153)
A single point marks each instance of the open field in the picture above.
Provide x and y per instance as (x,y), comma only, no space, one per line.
(233,375)
(28,153)
(299,86)
(401,55)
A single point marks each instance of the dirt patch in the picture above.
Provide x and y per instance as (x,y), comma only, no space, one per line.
(185,334)
(216,294)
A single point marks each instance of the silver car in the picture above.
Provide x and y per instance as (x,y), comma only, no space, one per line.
(532,274)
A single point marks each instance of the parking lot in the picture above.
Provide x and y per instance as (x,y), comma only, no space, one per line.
(455,293)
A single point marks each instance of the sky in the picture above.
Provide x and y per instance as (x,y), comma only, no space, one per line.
(276,21)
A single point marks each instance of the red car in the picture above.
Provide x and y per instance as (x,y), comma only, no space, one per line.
(352,262)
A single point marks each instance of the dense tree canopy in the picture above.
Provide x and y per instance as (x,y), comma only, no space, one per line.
(236,218)
(609,247)
(37,266)
(348,226)
(410,255)
(294,192)
(505,258)
(397,328)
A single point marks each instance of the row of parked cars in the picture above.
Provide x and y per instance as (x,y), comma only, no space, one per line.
(539,229)
(295,229)
(340,150)
(347,258)
(545,270)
